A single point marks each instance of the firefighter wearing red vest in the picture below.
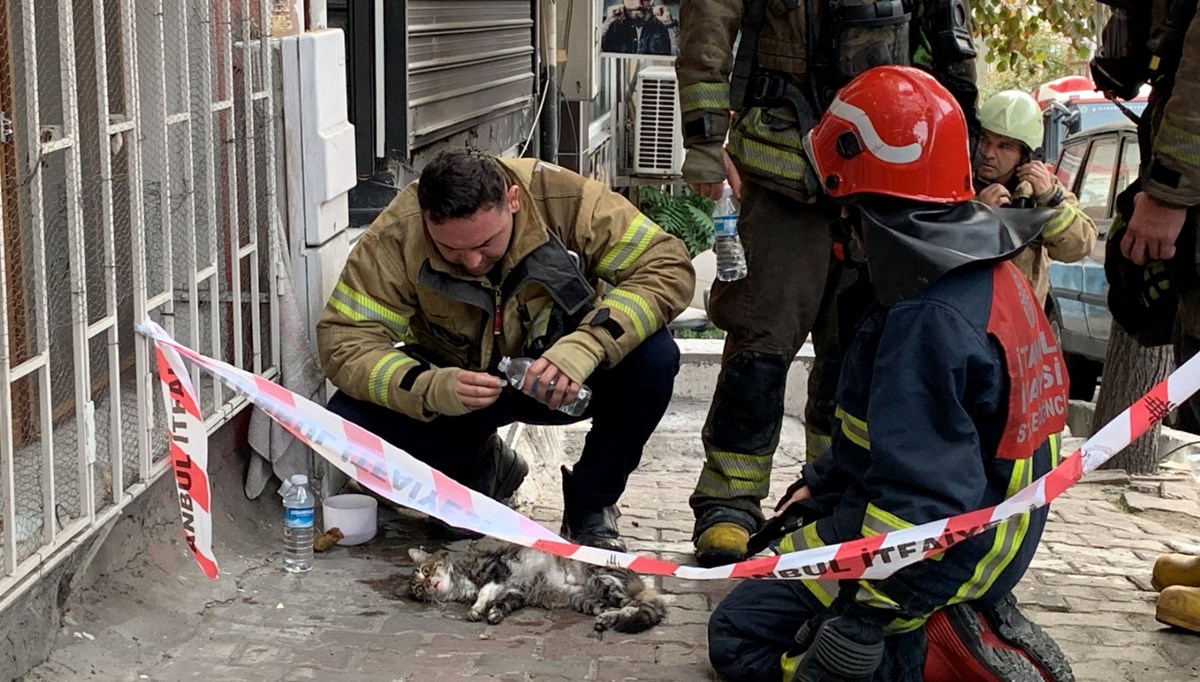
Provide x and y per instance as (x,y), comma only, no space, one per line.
(951,398)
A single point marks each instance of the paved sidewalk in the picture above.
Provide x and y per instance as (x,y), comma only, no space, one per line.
(162,621)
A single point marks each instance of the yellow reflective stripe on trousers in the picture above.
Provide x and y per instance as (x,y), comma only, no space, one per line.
(854,428)
(1055,449)
(733,474)
(1009,535)
(381,375)
(815,444)
(636,309)
(877,521)
(807,538)
(628,248)
(363,308)
(1063,217)
(698,96)
(1179,144)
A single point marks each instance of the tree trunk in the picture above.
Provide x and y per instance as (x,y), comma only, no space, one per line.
(1129,371)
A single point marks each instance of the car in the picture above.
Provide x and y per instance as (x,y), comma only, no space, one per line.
(1096,165)
(1071,105)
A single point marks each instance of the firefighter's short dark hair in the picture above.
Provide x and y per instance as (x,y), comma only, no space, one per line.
(459,182)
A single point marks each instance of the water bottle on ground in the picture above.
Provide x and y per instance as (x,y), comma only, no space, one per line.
(731,257)
(298,504)
(515,368)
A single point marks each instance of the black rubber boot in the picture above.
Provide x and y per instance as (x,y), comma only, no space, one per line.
(588,526)
(501,469)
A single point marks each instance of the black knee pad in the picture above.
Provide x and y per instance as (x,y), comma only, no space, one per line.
(748,404)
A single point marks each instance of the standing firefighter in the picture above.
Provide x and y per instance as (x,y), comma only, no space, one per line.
(785,74)
(1007,174)
(952,395)
(1153,255)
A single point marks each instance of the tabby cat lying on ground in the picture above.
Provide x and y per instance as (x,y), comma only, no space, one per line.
(497,582)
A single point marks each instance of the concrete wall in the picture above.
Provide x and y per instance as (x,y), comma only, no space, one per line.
(145,538)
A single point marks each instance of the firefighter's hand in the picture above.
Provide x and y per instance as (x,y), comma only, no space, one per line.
(796,492)
(477,390)
(549,385)
(1038,176)
(704,169)
(735,178)
(1152,230)
(995,195)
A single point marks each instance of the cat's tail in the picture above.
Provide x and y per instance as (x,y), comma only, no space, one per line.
(644,609)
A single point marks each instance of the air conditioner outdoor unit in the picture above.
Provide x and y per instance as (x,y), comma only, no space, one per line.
(657,135)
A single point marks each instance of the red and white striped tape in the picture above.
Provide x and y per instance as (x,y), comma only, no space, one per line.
(189,456)
(398,476)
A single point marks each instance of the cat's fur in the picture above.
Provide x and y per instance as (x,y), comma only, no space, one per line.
(498,582)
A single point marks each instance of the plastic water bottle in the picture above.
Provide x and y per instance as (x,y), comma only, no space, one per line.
(731,257)
(515,369)
(298,504)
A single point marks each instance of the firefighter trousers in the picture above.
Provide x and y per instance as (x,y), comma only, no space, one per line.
(767,316)
(628,401)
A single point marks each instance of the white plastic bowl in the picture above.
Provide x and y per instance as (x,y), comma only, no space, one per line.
(355,515)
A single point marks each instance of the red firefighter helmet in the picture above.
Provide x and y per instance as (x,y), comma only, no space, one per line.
(894,131)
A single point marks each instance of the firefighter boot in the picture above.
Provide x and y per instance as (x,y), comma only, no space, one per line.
(722,536)
(586,525)
(1175,569)
(501,469)
(1179,606)
(991,643)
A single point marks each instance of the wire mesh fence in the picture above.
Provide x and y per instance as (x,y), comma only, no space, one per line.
(137,179)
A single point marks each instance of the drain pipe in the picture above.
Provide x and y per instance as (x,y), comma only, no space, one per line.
(548,120)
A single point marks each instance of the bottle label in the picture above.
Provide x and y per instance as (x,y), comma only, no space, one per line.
(725,226)
(298,517)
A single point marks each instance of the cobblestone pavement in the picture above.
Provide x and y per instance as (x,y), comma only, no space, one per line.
(1089,586)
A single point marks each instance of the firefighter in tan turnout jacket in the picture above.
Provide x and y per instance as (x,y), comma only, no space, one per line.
(786,71)
(485,258)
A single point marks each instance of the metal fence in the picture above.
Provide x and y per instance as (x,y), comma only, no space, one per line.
(138,178)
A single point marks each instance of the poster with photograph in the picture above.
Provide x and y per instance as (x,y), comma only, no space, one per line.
(646,29)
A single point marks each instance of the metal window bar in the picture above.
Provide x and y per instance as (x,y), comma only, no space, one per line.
(163,132)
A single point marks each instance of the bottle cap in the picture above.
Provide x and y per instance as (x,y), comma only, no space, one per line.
(299,479)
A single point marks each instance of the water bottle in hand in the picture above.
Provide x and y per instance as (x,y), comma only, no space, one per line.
(515,369)
(298,504)
(731,257)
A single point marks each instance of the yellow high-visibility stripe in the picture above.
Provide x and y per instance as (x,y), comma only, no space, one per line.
(877,521)
(1062,220)
(854,429)
(362,308)
(380,383)
(628,248)
(1177,143)
(636,309)
(699,96)
(1009,535)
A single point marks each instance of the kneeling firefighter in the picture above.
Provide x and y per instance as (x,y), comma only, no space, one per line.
(951,398)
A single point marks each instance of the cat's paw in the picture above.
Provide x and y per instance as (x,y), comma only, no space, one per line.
(474,615)
(606,620)
(495,615)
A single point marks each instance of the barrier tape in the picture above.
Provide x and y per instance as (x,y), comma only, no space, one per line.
(397,476)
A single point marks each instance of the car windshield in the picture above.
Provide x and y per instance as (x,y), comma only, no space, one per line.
(1099,114)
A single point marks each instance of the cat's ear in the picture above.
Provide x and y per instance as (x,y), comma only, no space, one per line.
(417,554)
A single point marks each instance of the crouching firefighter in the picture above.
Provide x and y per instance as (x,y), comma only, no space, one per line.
(951,397)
